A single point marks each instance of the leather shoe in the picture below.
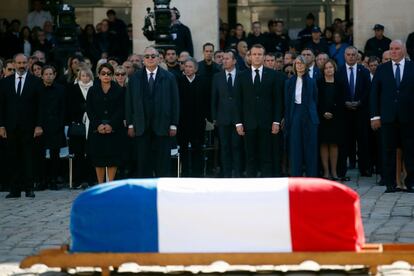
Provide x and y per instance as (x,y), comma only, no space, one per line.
(13,195)
(408,190)
(390,190)
(30,194)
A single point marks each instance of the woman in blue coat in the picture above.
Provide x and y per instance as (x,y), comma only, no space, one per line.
(301,120)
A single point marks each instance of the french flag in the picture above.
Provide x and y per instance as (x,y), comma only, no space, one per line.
(191,215)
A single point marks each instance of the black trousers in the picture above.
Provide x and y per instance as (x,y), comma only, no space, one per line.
(19,145)
(153,155)
(277,153)
(4,173)
(230,151)
(258,147)
(357,126)
(192,159)
(394,135)
(82,166)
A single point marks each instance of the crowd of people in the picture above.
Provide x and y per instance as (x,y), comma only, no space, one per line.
(268,105)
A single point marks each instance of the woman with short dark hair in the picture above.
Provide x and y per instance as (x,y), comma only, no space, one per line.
(105,109)
(331,109)
(52,103)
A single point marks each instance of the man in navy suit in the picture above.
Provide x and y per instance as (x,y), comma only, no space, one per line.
(258,112)
(20,124)
(391,104)
(222,112)
(356,80)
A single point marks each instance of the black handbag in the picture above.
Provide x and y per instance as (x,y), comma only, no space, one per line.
(77,130)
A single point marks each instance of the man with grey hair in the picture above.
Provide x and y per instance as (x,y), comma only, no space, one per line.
(193,114)
(355,80)
(152,113)
(391,103)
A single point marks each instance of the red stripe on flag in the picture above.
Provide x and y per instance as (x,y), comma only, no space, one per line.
(324,216)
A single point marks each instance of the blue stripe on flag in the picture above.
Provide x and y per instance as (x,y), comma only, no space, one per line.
(116,217)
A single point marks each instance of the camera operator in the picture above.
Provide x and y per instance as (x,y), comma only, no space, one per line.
(181,34)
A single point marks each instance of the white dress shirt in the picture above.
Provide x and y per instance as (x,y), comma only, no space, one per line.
(348,72)
(298,90)
(16,83)
(153,72)
(394,68)
(190,79)
(311,69)
(233,75)
(254,72)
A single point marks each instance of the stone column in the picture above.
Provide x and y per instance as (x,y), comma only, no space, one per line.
(201,16)
(395,15)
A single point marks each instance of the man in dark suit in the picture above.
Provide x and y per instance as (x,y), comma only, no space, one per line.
(152,111)
(20,124)
(313,70)
(391,103)
(258,112)
(206,69)
(222,112)
(356,80)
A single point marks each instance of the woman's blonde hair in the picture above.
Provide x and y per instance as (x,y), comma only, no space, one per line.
(85,69)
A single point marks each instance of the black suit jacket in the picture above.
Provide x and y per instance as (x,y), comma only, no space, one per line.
(20,111)
(166,102)
(76,104)
(387,100)
(223,105)
(261,109)
(362,85)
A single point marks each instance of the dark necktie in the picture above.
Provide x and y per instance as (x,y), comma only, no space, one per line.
(351,82)
(19,87)
(151,82)
(397,75)
(256,78)
(230,84)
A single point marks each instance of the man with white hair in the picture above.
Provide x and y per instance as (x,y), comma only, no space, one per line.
(152,110)
(391,103)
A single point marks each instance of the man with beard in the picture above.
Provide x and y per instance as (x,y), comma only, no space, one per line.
(20,124)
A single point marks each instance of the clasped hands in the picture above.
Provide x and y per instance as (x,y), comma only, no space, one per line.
(352,105)
(104,129)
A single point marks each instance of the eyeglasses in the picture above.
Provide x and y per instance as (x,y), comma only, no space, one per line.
(150,56)
(103,73)
(120,74)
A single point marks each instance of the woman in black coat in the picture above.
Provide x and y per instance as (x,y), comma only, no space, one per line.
(193,111)
(105,109)
(331,115)
(52,110)
(77,118)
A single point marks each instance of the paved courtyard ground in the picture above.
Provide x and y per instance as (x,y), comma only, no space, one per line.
(29,225)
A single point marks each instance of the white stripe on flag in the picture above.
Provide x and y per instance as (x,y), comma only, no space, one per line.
(223,215)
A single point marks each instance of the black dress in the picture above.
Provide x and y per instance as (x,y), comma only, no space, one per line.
(105,150)
(331,131)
